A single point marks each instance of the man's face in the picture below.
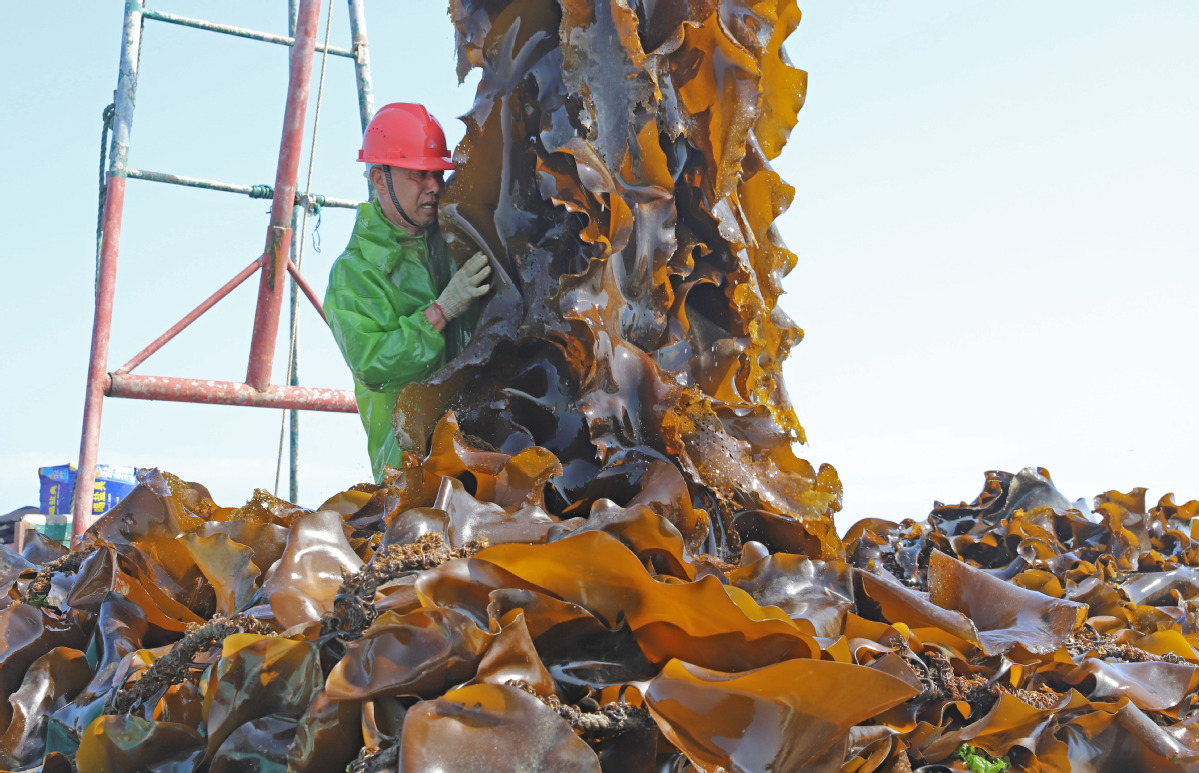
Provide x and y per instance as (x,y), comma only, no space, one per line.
(418,191)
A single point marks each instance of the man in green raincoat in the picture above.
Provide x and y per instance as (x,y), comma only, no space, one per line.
(397,307)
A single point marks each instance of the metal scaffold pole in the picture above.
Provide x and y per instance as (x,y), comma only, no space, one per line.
(362,63)
(293,369)
(106,271)
(278,259)
(278,238)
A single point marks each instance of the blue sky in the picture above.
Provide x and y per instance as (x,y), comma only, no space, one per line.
(994,218)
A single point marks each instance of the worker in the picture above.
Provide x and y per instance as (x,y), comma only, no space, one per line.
(397,306)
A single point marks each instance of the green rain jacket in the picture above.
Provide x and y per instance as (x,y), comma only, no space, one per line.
(378,291)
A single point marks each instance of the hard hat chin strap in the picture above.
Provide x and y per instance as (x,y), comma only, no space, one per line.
(396,202)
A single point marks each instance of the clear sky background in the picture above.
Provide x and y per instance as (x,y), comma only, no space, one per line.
(995,218)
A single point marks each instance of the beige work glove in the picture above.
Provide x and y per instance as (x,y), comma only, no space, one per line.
(464,287)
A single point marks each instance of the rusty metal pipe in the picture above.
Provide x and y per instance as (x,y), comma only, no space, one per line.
(253,191)
(106,281)
(241,32)
(362,63)
(178,327)
(293,368)
(198,390)
(306,288)
(278,240)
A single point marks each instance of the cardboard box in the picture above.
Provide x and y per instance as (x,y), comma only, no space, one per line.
(113,483)
(56,527)
(57,489)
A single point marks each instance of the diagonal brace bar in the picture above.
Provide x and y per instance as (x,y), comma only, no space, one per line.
(302,283)
(178,327)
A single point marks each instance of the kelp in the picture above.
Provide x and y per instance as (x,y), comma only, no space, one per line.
(615,170)
(606,643)
(601,552)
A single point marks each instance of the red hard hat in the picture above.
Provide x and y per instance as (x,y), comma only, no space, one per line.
(403,134)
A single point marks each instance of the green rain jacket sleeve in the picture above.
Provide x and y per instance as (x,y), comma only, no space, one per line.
(381,327)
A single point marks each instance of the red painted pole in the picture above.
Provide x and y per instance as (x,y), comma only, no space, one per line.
(191,317)
(302,283)
(197,390)
(278,238)
(106,281)
(85,474)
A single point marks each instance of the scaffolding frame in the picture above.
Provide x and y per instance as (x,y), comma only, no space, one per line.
(275,263)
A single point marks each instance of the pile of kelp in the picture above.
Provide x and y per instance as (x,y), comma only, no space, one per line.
(415,626)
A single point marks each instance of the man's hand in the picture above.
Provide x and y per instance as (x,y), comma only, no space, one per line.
(464,287)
